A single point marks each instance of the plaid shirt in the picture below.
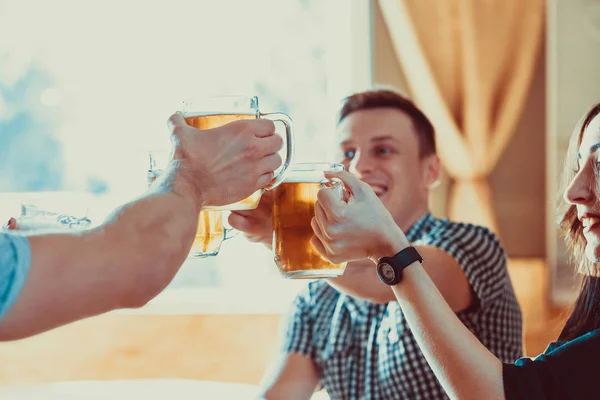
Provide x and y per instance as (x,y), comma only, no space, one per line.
(366,351)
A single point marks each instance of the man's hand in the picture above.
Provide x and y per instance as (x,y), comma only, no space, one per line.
(257,224)
(223,165)
(360,228)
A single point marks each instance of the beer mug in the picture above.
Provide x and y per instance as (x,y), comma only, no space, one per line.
(211,232)
(293,209)
(213,112)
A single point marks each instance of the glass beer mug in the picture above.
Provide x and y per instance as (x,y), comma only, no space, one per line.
(212,112)
(211,232)
(293,209)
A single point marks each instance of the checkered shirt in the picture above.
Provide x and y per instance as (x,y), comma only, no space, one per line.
(366,351)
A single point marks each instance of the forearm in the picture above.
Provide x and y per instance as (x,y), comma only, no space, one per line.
(123,263)
(290,377)
(362,282)
(465,368)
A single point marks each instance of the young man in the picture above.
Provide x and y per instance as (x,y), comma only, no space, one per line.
(348,334)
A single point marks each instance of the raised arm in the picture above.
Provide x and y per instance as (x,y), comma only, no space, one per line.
(132,256)
(443,269)
(363,228)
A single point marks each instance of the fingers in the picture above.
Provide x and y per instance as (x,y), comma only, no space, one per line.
(269,163)
(263,128)
(329,200)
(314,224)
(262,212)
(319,220)
(254,229)
(271,144)
(356,186)
(241,222)
(264,180)
(318,245)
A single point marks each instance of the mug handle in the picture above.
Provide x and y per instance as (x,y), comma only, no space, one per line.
(230,233)
(336,184)
(289,156)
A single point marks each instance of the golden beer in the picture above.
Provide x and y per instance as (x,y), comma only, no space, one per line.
(211,120)
(293,209)
(209,235)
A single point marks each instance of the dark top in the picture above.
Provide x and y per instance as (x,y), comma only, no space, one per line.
(568,370)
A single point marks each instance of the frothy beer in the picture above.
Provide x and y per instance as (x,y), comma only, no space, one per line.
(293,209)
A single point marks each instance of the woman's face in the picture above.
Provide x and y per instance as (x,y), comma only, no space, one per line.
(584,189)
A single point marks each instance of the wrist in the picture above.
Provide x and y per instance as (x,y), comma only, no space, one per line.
(180,182)
(390,243)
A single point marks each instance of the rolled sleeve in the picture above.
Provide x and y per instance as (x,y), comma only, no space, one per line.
(15,260)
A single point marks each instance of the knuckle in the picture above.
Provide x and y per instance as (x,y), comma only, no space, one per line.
(337,246)
(241,124)
(332,231)
(267,125)
(277,143)
(252,150)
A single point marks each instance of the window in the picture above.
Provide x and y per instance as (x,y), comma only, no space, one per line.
(86,87)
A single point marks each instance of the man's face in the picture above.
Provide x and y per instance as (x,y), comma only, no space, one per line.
(380,146)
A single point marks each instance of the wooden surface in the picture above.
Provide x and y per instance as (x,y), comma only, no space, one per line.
(226,348)
(234,348)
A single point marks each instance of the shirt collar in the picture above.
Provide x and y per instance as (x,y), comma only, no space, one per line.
(420,227)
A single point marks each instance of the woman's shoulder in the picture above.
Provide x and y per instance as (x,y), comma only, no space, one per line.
(583,347)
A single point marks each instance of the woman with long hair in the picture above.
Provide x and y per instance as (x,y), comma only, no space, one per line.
(361,227)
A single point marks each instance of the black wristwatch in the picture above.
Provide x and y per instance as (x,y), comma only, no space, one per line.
(389,269)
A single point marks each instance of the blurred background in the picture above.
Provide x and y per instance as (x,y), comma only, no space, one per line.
(86,87)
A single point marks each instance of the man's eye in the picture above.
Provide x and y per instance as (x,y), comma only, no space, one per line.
(349,154)
(383,150)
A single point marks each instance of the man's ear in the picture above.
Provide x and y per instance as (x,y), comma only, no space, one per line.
(431,171)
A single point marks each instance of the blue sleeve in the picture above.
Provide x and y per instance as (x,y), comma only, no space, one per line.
(15,259)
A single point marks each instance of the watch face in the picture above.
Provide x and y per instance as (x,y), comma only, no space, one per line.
(387,272)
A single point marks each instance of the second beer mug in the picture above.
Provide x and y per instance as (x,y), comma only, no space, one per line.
(210,234)
(212,112)
(293,209)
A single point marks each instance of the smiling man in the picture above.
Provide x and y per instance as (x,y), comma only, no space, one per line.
(348,334)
